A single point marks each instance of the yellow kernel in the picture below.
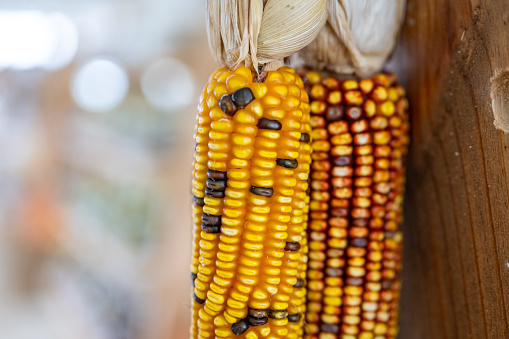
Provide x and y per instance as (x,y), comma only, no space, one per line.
(280,90)
(334,97)
(220,90)
(244,117)
(387,108)
(274,77)
(245,72)
(222,126)
(259,89)
(291,103)
(275,113)
(271,101)
(314,77)
(235,82)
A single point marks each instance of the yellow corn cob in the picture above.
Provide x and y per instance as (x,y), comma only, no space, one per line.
(251,168)
(360,138)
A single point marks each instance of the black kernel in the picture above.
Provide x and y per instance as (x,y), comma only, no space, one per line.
(218,185)
(294,318)
(240,327)
(226,105)
(211,220)
(256,313)
(353,113)
(288,163)
(292,246)
(242,97)
(263,191)
(217,175)
(299,283)
(214,194)
(334,113)
(257,321)
(198,300)
(193,278)
(304,137)
(342,161)
(210,229)
(198,201)
(264,123)
(329,328)
(278,314)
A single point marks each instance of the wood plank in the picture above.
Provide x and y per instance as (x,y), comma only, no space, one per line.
(456,264)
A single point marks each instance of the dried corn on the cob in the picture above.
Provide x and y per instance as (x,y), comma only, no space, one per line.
(360,138)
(251,168)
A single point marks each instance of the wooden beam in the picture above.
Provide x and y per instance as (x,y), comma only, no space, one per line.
(456,259)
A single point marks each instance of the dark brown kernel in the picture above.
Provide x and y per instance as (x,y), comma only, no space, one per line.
(386,284)
(257,313)
(339,212)
(226,105)
(359,242)
(334,113)
(354,281)
(278,314)
(263,191)
(198,300)
(210,229)
(198,201)
(242,97)
(304,137)
(335,253)
(329,328)
(264,123)
(360,222)
(214,194)
(217,185)
(342,161)
(253,321)
(211,220)
(217,175)
(292,246)
(288,163)
(300,283)
(294,318)
(353,113)
(334,272)
(240,327)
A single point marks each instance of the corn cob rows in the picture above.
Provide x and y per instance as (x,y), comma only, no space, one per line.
(360,138)
(251,168)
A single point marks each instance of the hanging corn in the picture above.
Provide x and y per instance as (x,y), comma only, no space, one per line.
(251,169)
(360,134)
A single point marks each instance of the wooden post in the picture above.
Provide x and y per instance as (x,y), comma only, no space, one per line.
(456,265)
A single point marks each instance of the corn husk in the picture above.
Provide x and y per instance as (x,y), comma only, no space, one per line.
(358,38)
(261,32)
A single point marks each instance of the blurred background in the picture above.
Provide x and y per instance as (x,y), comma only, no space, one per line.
(97,111)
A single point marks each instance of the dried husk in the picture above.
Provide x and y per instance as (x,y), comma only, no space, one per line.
(358,38)
(262,32)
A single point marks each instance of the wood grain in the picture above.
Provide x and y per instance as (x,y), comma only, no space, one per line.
(456,264)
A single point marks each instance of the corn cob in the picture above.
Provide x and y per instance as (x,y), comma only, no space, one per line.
(251,166)
(360,138)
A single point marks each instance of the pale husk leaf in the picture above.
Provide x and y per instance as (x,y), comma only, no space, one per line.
(253,32)
(358,38)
